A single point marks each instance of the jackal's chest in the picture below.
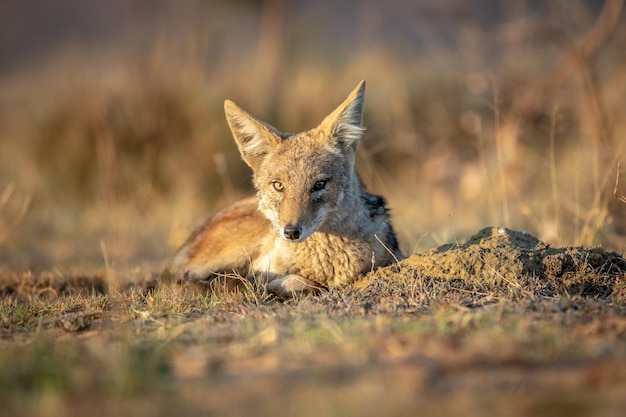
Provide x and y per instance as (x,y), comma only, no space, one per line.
(327,259)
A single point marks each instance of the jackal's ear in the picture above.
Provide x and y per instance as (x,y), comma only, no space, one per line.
(254,137)
(344,125)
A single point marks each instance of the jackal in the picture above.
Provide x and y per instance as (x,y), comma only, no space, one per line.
(311,223)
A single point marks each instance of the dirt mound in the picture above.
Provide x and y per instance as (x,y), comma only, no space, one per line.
(507,260)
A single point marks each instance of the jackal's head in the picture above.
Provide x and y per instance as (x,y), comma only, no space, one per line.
(305,181)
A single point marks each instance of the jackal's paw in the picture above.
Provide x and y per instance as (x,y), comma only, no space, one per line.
(292,284)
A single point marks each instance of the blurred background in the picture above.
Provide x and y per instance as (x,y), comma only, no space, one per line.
(114,146)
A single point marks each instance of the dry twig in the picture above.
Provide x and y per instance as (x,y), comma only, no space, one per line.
(620,197)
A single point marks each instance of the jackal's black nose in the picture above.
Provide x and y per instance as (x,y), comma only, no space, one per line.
(292,232)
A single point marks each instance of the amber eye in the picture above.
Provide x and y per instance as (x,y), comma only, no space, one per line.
(278,186)
(319,185)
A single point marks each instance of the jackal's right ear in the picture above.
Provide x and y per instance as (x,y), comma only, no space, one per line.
(344,125)
(254,137)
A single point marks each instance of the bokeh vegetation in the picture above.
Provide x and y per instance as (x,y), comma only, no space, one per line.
(474,119)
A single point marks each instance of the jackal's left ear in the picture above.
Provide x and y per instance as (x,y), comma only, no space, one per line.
(254,137)
(344,125)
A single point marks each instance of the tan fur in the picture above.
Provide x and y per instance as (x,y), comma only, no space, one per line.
(311,224)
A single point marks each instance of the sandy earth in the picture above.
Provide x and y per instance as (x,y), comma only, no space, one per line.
(502,324)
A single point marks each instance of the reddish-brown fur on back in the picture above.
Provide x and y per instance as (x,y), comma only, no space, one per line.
(214,240)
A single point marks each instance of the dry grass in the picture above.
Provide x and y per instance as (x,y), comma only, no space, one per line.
(392,347)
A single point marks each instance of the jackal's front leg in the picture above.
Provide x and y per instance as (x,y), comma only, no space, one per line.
(292,284)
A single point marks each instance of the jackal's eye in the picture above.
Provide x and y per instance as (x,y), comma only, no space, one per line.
(319,185)
(278,186)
